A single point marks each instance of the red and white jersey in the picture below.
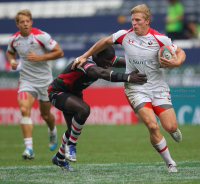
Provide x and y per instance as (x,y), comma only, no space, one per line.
(141,53)
(37,73)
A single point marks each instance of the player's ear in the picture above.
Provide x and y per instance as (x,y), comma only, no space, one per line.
(17,24)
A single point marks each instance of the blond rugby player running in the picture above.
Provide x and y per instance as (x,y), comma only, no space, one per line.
(141,44)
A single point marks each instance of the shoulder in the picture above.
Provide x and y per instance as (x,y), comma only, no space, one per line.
(37,31)
(160,38)
(119,36)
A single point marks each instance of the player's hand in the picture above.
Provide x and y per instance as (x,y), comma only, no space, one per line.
(169,63)
(32,56)
(14,65)
(79,61)
(137,78)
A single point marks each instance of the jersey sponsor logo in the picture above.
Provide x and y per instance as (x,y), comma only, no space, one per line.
(88,65)
(150,42)
(140,62)
(131,41)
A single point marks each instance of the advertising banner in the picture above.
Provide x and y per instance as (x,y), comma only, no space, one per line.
(108,106)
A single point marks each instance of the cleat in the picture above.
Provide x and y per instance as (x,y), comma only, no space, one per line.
(53,142)
(172,168)
(177,136)
(63,164)
(71,153)
(28,154)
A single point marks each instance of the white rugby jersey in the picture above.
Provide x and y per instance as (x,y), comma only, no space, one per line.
(141,53)
(37,73)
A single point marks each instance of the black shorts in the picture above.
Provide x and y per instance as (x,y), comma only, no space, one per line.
(58,100)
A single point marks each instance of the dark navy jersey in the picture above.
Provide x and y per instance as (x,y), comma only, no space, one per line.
(74,81)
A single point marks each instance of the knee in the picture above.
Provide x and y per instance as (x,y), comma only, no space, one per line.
(85,111)
(45,117)
(152,125)
(24,111)
(171,128)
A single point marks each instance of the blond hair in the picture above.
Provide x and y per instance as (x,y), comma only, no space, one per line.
(23,12)
(142,8)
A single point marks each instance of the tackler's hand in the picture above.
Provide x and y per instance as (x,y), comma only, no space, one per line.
(79,61)
(137,78)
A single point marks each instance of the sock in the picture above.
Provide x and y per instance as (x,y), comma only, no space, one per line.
(162,148)
(53,132)
(28,142)
(61,151)
(76,128)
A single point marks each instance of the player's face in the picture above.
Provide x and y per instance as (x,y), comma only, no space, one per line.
(104,62)
(24,25)
(140,25)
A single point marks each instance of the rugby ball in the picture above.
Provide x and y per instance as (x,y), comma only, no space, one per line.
(165,52)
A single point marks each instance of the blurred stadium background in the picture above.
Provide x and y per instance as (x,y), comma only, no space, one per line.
(76,26)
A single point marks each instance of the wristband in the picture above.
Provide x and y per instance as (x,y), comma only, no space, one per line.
(119,77)
(128,78)
(12,61)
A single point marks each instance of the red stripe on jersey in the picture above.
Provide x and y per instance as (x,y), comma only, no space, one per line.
(36,31)
(69,78)
(16,34)
(160,151)
(88,65)
(154,32)
(77,129)
(39,42)
(120,39)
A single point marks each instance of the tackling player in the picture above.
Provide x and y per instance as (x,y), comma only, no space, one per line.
(65,93)
(141,44)
(33,45)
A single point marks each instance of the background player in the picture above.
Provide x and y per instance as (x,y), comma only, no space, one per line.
(141,44)
(65,93)
(33,45)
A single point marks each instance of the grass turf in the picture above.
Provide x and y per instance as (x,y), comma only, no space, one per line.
(106,154)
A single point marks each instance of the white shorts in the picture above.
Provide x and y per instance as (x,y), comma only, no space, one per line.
(156,100)
(40,91)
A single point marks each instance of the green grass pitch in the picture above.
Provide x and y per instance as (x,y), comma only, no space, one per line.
(105,154)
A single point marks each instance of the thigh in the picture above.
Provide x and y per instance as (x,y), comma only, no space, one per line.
(168,119)
(67,102)
(147,115)
(25,96)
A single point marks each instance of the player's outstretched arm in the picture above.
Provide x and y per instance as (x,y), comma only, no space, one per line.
(98,47)
(55,53)
(12,58)
(109,75)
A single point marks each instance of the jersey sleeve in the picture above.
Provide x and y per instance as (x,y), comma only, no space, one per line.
(119,36)
(87,65)
(114,61)
(10,45)
(46,40)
